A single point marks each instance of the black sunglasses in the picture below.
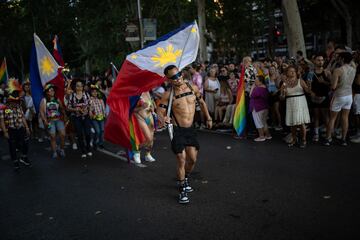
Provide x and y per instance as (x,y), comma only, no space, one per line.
(176,76)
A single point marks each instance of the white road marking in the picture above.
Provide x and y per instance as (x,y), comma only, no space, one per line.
(120,157)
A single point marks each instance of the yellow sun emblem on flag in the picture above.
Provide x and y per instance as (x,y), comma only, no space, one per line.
(47,67)
(165,56)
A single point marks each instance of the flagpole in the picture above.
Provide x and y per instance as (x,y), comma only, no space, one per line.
(170,125)
(112,64)
(186,42)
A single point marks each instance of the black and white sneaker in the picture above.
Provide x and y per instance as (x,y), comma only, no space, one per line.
(327,142)
(16,165)
(183,197)
(25,161)
(187,187)
(343,143)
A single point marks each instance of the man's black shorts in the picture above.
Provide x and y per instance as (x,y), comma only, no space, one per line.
(184,137)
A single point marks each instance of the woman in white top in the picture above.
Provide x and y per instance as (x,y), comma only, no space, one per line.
(342,80)
(297,111)
(211,87)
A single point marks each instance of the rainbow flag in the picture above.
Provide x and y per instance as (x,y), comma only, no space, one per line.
(266,76)
(3,72)
(240,109)
(134,137)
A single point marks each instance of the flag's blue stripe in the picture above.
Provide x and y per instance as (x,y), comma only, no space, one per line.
(133,102)
(168,35)
(36,86)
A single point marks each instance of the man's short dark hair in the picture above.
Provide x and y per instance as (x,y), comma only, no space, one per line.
(346,56)
(319,54)
(300,53)
(168,68)
(340,46)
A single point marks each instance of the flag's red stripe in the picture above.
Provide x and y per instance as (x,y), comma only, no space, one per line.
(132,81)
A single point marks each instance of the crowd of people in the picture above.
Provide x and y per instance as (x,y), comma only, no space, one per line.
(295,96)
(291,95)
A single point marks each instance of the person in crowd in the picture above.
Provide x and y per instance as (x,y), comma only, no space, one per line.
(273,86)
(145,114)
(259,107)
(157,94)
(14,125)
(211,88)
(233,69)
(320,85)
(30,111)
(356,106)
(250,73)
(79,107)
(196,78)
(233,82)
(341,85)
(52,113)
(224,74)
(69,125)
(97,115)
(297,112)
(186,74)
(225,98)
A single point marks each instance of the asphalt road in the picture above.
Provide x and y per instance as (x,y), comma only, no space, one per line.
(243,190)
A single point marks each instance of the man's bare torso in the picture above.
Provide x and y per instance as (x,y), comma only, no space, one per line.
(183,108)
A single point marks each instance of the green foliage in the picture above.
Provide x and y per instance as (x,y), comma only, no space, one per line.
(93,31)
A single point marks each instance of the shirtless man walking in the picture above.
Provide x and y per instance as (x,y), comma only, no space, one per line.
(184,143)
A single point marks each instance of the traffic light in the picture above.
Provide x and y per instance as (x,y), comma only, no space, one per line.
(277,32)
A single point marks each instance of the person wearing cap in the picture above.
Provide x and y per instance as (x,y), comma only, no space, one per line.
(97,115)
(14,125)
(52,113)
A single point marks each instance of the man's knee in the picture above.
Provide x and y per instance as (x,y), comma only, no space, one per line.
(181,159)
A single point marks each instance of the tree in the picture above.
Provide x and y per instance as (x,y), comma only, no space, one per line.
(343,9)
(293,27)
(202,28)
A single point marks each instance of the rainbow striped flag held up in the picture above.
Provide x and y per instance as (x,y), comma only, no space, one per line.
(265,75)
(3,72)
(240,109)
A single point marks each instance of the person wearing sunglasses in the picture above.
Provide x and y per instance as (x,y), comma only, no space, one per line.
(184,144)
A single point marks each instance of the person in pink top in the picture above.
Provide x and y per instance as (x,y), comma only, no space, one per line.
(197,79)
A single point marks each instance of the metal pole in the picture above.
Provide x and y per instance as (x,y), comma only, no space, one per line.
(140,24)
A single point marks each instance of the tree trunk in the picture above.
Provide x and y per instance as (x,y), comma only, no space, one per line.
(271,44)
(344,12)
(293,27)
(202,27)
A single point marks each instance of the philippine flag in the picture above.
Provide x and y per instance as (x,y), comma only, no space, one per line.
(44,69)
(142,71)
